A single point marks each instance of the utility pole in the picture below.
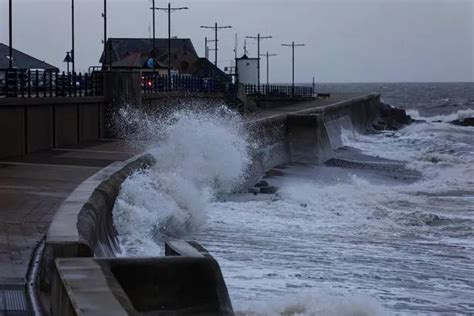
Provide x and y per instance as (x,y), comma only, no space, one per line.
(154,36)
(216,28)
(206,46)
(104,15)
(73,52)
(169,9)
(258,38)
(236,46)
(293,45)
(268,55)
(10,34)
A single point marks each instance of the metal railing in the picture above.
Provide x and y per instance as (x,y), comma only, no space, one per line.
(156,83)
(278,91)
(26,83)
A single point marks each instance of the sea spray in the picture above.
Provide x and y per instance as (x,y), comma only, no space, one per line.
(315,303)
(199,156)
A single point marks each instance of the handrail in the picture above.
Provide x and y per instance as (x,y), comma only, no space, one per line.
(29,83)
(281,91)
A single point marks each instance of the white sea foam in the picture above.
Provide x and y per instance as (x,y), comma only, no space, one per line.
(459,115)
(199,155)
(408,245)
(332,241)
(316,303)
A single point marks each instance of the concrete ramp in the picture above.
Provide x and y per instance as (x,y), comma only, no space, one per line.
(172,285)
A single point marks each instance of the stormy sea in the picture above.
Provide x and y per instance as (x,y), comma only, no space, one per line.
(385,227)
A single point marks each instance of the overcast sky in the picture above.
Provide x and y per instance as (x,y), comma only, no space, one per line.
(346,40)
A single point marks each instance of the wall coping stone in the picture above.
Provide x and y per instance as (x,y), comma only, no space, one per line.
(50,101)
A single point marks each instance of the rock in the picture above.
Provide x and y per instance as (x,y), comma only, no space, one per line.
(268,190)
(468,121)
(262,183)
(274,173)
(392,118)
(255,191)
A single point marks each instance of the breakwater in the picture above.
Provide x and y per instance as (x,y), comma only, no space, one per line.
(83,227)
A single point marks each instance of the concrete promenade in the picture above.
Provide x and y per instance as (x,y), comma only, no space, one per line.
(32,187)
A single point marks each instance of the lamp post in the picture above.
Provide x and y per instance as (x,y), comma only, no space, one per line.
(67,60)
(293,45)
(153,51)
(169,9)
(206,47)
(258,38)
(268,55)
(104,15)
(73,52)
(216,27)
(10,34)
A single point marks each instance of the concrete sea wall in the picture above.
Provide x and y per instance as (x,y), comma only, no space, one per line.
(31,124)
(305,136)
(83,226)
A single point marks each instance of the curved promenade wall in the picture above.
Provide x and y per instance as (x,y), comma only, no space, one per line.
(83,225)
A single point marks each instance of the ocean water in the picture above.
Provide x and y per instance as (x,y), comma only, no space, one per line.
(386,227)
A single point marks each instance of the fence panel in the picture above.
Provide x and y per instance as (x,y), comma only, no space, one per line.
(156,83)
(28,83)
(281,91)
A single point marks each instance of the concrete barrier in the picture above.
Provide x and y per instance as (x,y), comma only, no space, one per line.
(12,131)
(83,225)
(173,285)
(301,136)
(271,146)
(308,141)
(29,125)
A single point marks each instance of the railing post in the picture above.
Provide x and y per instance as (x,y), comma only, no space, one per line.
(22,84)
(44,83)
(80,84)
(16,83)
(74,82)
(28,84)
(37,83)
(7,90)
(86,84)
(50,83)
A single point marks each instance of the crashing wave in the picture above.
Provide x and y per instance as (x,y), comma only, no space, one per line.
(199,155)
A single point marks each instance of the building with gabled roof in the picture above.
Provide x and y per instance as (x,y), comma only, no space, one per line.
(135,53)
(21,60)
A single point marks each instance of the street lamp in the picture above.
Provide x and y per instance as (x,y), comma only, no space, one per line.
(104,15)
(268,55)
(293,45)
(73,52)
(10,34)
(258,38)
(169,9)
(216,28)
(67,60)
